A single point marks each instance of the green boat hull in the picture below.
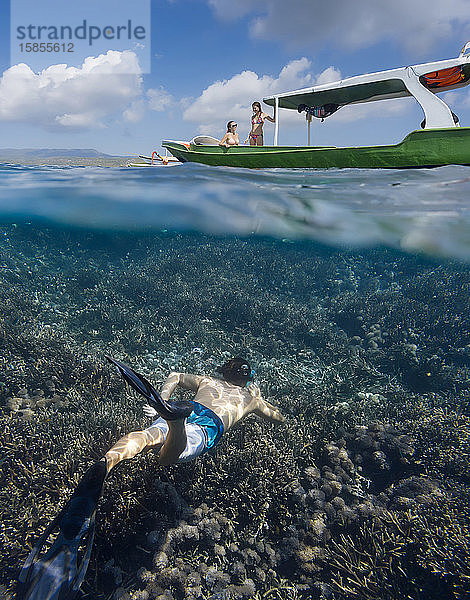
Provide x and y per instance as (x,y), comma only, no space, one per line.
(422,148)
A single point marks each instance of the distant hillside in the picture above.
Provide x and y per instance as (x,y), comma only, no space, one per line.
(62,157)
(12,153)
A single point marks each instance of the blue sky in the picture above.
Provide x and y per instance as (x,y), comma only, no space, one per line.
(209,59)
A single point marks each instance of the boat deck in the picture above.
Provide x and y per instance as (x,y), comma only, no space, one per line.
(420,148)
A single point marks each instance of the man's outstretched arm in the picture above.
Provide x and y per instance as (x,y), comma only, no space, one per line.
(269,412)
(264,409)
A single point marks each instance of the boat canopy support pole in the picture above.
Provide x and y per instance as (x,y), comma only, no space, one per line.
(436,111)
(276,124)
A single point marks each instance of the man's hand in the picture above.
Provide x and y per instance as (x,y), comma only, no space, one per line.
(254,391)
(269,412)
(149,411)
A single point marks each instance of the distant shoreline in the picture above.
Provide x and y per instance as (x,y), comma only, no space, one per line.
(64,157)
(71,161)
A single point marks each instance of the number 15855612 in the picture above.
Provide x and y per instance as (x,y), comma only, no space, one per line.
(46,47)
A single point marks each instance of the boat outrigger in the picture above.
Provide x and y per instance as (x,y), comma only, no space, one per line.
(155,160)
(441,141)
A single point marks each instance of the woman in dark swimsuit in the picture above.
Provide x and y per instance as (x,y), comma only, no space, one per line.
(257,120)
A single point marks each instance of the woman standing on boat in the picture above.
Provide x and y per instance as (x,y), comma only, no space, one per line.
(257,120)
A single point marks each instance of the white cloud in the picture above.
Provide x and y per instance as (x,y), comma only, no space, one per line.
(351,24)
(69,97)
(328,76)
(159,99)
(78,120)
(232,98)
(135,112)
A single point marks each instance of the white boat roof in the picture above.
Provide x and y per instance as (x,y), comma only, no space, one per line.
(369,87)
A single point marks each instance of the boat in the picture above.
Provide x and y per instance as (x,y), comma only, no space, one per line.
(440,141)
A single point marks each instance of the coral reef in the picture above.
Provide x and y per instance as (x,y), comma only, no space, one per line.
(421,552)
(443,437)
(363,493)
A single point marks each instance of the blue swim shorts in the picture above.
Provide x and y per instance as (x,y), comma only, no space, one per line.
(203,431)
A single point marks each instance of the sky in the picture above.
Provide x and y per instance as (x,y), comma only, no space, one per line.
(203,62)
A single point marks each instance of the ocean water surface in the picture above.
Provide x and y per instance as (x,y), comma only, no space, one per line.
(348,292)
(418,210)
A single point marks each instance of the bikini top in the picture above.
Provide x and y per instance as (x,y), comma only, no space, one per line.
(257,121)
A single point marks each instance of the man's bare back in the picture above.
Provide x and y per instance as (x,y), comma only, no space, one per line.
(228,401)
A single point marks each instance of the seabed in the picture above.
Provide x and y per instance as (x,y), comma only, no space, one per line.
(363,493)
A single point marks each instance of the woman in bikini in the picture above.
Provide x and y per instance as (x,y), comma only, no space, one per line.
(257,119)
(231,137)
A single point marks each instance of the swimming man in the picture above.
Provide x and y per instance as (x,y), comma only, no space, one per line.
(182,431)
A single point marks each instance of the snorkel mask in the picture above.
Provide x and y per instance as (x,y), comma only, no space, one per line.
(237,371)
(246,371)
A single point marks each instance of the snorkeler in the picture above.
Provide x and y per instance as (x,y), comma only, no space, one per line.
(182,431)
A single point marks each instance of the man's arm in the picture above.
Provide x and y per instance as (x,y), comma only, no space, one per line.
(182,380)
(264,409)
(269,412)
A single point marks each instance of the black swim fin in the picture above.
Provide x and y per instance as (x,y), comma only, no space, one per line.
(170,411)
(59,574)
